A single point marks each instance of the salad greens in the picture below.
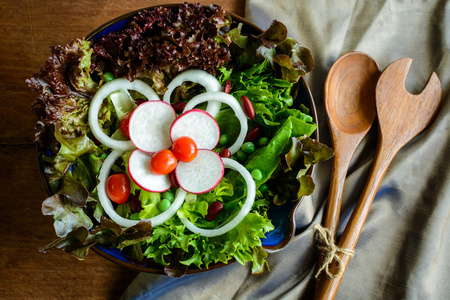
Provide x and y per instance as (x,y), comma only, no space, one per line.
(155,46)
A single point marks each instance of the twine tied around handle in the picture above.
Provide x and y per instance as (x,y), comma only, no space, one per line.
(331,252)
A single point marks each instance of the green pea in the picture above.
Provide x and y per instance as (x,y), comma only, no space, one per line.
(104,155)
(257,174)
(109,76)
(164,204)
(240,155)
(263,141)
(263,187)
(135,216)
(248,147)
(224,139)
(168,195)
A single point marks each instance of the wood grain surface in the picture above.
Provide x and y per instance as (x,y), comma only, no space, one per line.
(27,30)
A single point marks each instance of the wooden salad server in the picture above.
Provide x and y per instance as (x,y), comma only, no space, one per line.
(349,97)
(401,117)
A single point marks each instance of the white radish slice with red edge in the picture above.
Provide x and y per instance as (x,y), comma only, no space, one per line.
(150,124)
(208,81)
(138,167)
(231,102)
(246,207)
(202,174)
(103,93)
(199,126)
(109,208)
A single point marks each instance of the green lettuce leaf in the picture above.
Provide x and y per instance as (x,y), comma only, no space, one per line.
(284,54)
(80,75)
(66,206)
(107,233)
(86,169)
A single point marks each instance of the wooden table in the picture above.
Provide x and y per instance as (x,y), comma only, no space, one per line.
(27,29)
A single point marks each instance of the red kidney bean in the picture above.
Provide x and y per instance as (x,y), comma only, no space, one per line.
(139,101)
(227,87)
(247,107)
(213,210)
(97,142)
(253,134)
(173,180)
(135,203)
(179,106)
(225,153)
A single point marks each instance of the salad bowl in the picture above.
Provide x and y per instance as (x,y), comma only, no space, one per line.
(282,216)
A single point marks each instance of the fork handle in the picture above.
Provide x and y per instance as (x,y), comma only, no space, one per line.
(383,157)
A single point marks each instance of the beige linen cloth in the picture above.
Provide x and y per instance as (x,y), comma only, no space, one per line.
(404,248)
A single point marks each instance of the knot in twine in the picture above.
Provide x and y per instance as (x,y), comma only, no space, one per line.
(331,253)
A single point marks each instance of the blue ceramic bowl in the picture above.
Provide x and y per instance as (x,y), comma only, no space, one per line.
(282,216)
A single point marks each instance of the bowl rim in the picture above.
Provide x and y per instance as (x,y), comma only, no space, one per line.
(159,269)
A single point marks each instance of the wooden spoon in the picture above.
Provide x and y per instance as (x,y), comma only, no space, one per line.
(401,116)
(350,105)
(349,95)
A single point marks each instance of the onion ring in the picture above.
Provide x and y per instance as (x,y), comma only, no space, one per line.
(108,207)
(102,93)
(251,193)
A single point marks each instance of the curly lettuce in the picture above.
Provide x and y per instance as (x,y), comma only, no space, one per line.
(166,40)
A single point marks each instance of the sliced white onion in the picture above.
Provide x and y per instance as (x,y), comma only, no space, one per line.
(208,81)
(230,101)
(123,102)
(108,207)
(102,93)
(251,192)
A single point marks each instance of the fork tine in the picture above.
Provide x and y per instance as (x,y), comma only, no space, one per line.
(421,108)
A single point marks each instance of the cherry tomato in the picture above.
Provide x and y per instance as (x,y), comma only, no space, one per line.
(163,162)
(124,124)
(184,148)
(118,188)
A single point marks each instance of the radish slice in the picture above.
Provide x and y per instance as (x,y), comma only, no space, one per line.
(105,91)
(138,167)
(107,204)
(202,174)
(150,125)
(230,101)
(201,77)
(199,126)
(251,192)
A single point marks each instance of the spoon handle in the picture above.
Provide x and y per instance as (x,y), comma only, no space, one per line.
(383,158)
(341,162)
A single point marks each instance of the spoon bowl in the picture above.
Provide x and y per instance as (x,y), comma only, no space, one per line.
(350,93)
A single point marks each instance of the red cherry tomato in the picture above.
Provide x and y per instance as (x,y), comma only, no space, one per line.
(118,188)
(184,148)
(163,162)
(125,124)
